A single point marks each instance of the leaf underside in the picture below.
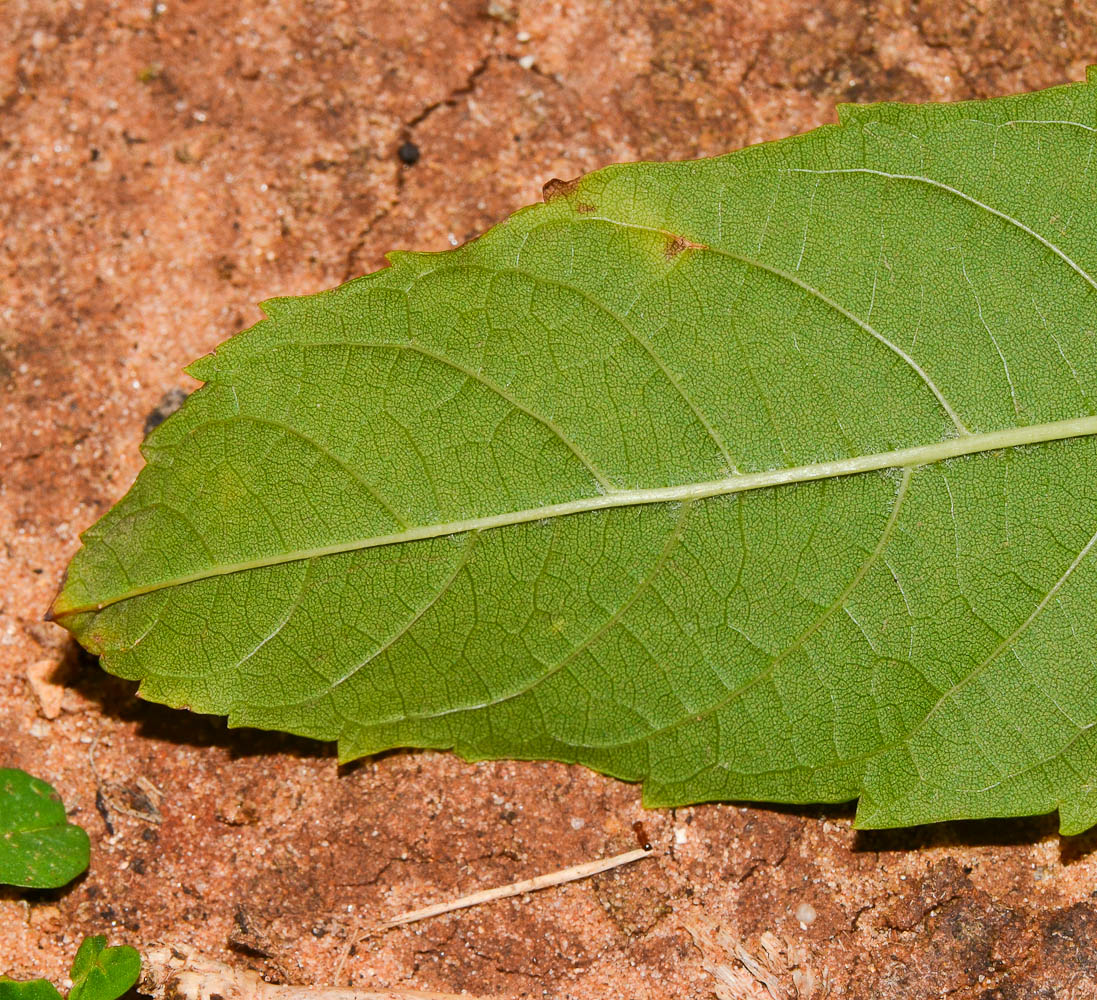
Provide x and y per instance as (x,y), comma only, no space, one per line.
(765,477)
(39,847)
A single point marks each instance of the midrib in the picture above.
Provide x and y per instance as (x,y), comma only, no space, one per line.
(928,454)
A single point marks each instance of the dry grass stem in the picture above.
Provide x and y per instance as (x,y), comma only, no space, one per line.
(517,888)
(180,973)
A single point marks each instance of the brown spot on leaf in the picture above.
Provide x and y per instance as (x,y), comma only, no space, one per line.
(584,207)
(557,188)
(676,244)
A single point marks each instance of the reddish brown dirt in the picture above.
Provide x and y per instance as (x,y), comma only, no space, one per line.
(165,166)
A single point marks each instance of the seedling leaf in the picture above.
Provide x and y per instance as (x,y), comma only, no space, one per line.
(39,848)
(32,989)
(102,973)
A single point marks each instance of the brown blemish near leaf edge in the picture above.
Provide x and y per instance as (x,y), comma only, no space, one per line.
(557,188)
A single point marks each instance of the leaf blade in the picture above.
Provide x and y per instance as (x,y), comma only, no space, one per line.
(39,848)
(915,279)
(102,973)
(29,989)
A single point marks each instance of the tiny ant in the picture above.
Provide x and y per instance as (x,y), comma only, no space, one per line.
(641,836)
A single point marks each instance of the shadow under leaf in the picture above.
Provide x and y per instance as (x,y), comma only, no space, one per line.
(117,698)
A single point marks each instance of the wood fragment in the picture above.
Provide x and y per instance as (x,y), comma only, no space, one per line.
(752,980)
(48,693)
(760,972)
(180,973)
(155,796)
(517,888)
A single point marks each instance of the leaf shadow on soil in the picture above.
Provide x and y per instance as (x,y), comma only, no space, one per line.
(1014,831)
(117,698)
(11,893)
(1006,832)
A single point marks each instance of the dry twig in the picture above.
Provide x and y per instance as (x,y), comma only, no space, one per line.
(517,888)
(500,892)
(180,973)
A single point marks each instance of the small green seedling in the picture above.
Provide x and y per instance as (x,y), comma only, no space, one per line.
(34,989)
(102,973)
(98,973)
(39,847)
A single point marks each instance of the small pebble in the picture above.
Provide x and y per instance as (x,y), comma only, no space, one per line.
(408,153)
(526,62)
(805,914)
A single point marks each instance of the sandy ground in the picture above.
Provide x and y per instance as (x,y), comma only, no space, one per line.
(165,166)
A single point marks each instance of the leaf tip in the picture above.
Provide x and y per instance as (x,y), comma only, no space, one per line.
(1076,817)
(276,307)
(847,113)
(868,815)
(197,368)
(58,606)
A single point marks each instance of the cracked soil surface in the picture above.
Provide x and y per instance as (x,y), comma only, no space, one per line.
(167,165)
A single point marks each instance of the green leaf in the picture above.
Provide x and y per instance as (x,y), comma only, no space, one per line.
(770,477)
(39,848)
(32,989)
(102,973)
(98,973)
